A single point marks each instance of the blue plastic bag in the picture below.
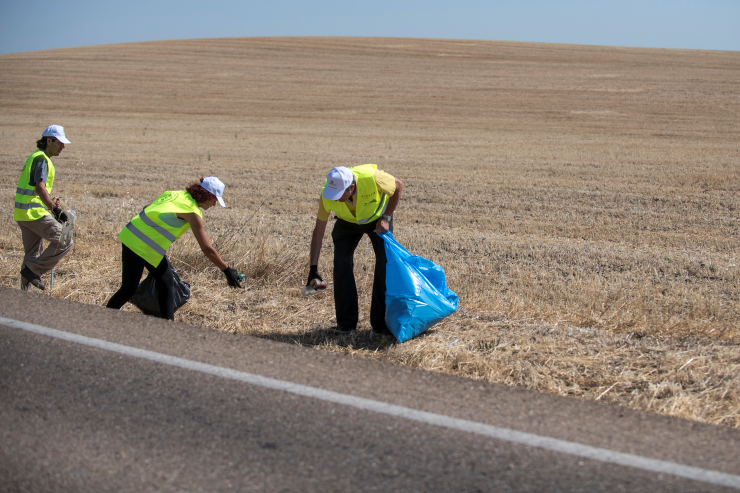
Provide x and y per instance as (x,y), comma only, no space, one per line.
(416,295)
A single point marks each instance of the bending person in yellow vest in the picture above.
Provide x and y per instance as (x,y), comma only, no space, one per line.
(33,203)
(363,199)
(147,237)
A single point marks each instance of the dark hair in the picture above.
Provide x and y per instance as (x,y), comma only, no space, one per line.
(199,194)
(42,142)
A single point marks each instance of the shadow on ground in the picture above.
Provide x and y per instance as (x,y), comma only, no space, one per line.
(321,337)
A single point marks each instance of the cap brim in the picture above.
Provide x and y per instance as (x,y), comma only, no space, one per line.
(63,140)
(221,201)
(330,194)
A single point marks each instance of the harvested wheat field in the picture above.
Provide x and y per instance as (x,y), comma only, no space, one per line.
(582,200)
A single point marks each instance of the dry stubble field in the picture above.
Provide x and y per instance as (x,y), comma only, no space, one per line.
(583,200)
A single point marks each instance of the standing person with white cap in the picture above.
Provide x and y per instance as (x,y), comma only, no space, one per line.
(364,199)
(37,214)
(146,238)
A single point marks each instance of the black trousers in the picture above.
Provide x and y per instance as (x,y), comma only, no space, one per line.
(346,237)
(132,266)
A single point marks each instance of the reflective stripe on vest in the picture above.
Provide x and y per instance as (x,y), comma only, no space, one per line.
(25,207)
(151,243)
(28,204)
(370,203)
(168,236)
(150,233)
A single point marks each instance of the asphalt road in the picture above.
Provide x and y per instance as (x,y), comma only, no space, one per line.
(193,411)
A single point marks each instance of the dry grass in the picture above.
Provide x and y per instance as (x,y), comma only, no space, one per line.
(583,200)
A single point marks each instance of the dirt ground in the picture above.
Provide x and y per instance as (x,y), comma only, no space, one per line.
(582,200)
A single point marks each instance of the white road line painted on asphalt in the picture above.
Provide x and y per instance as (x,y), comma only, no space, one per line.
(554,444)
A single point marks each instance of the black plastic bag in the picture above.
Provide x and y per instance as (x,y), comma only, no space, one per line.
(146,298)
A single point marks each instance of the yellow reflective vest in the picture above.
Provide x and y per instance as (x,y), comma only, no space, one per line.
(151,233)
(370,203)
(28,205)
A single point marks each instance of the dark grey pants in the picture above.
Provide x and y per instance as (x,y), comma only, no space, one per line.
(34,233)
(346,237)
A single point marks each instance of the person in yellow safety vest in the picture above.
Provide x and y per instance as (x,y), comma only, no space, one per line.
(146,238)
(37,214)
(363,199)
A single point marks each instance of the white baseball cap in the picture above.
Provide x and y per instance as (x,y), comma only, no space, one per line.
(56,131)
(337,181)
(215,186)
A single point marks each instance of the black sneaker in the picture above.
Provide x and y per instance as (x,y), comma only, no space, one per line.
(343,330)
(34,279)
(383,331)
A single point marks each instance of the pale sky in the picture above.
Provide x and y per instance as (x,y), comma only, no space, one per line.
(692,24)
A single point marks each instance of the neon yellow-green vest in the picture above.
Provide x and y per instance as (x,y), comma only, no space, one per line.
(28,205)
(151,233)
(370,203)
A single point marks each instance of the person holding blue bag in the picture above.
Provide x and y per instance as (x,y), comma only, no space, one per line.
(364,199)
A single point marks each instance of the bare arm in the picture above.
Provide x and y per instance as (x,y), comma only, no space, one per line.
(382,225)
(196,224)
(317,239)
(44,195)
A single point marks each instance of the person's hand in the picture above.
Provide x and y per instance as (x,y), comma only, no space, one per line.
(382,225)
(59,214)
(232,277)
(313,273)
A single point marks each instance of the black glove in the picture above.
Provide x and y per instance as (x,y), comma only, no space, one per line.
(313,273)
(232,277)
(59,214)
